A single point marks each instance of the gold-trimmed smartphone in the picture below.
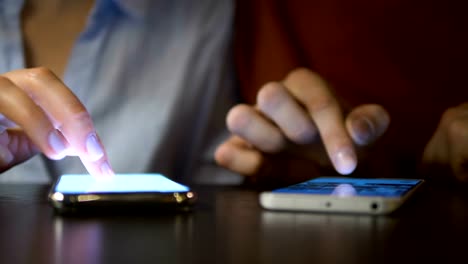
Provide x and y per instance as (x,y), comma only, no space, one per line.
(77,192)
(342,195)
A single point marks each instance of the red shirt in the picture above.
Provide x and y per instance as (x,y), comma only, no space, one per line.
(409,56)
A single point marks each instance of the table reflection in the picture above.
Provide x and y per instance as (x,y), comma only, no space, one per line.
(125,238)
(322,236)
(77,243)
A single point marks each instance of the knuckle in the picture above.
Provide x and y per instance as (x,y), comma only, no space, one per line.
(8,89)
(274,143)
(317,105)
(4,81)
(300,73)
(449,115)
(256,162)
(229,158)
(76,109)
(82,118)
(74,119)
(223,155)
(40,73)
(463,107)
(302,133)
(458,129)
(270,96)
(239,117)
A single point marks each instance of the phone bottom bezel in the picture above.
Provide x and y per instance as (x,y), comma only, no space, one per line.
(330,204)
(119,202)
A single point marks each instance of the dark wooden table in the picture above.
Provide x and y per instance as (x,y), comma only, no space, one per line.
(228,226)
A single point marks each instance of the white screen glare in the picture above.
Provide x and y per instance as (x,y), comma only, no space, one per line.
(346,187)
(120,183)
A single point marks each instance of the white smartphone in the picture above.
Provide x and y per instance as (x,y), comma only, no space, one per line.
(341,194)
(122,191)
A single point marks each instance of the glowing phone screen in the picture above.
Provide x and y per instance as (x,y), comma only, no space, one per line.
(120,183)
(353,187)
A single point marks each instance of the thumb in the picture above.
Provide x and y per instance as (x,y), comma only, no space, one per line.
(366,123)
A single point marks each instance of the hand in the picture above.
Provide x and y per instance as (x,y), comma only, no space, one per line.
(40,114)
(298,120)
(448,146)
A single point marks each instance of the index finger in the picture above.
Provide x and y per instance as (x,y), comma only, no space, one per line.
(313,93)
(67,114)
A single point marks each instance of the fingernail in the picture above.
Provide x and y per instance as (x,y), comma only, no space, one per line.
(57,144)
(364,131)
(106,170)
(93,147)
(5,155)
(345,161)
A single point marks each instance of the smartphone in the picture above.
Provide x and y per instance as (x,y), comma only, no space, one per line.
(343,195)
(122,191)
